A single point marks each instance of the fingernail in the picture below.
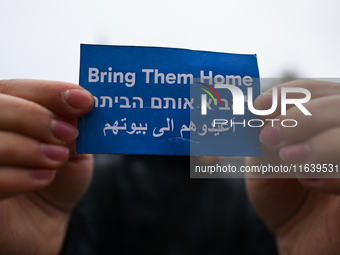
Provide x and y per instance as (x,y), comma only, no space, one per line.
(42,174)
(64,131)
(296,153)
(263,101)
(76,98)
(270,135)
(55,152)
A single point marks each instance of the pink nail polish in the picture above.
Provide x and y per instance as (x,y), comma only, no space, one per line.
(64,131)
(270,136)
(78,99)
(55,152)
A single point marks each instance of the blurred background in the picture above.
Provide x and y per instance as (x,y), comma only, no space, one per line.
(152,202)
(40,39)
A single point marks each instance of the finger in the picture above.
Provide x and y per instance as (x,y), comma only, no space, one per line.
(324,111)
(31,119)
(19,150)
(70,183)
(316,88)
(323,148)
(65,99)
(14,180)
(318,161)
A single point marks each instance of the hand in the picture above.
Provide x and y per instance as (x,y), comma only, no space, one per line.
(303,213)
(41,177)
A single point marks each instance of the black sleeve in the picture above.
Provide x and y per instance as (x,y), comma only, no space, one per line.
(149,205)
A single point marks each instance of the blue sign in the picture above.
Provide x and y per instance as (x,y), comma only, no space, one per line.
(166,101)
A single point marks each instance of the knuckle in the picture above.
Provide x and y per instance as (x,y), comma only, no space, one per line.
(15,148)
(4,86)
(334,88)
(8,148)
(29,108)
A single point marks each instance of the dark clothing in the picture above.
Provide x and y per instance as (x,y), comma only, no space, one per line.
(149,205)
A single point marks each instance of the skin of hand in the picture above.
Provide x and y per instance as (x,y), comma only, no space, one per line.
(41,176)
(303,212)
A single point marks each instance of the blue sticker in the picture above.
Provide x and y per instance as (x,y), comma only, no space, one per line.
(166,101)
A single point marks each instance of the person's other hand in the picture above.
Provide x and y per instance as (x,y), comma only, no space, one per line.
(41,177)
(304,213)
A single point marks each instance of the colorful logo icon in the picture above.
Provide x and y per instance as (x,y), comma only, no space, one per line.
(213,90)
